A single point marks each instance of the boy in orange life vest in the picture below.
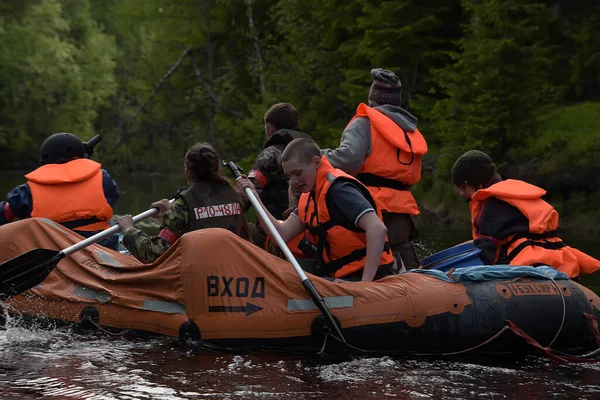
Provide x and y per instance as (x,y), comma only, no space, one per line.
(67,188)
(338,211)
(511,223)
(383,148)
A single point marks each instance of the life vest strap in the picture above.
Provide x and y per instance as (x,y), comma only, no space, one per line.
(78,223)
(540,236)
(320,231)
(533,239)
(332,266)
(412,153)
(358,254)
(369,179)
(321,228)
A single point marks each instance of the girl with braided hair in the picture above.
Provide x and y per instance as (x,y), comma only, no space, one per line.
(208,202)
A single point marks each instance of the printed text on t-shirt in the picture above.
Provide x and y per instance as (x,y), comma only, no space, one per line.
(218,210)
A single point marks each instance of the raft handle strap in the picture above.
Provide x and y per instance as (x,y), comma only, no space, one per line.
(564,307)
(101,328)
(491,339)
(324,344)
(594,325)
(552,354)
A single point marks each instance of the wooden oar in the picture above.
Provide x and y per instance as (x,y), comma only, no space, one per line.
(306,283)
(28,270)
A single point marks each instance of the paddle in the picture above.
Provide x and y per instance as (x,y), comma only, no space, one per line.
(28,270)
(306,283)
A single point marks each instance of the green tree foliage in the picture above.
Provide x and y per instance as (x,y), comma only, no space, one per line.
(153,76)
(56,71)
(500,78)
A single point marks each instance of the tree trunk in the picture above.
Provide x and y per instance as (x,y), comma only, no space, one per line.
(257,49)
(154,91)
(210,52)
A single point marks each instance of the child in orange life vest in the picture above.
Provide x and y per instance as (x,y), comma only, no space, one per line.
(339,212)
(382,147)
(68,188)
(208,202)
(511,223)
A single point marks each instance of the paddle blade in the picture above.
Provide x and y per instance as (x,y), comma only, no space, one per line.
(26,271)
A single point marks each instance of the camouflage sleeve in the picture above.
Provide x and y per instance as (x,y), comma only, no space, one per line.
(176,218)
(148,248)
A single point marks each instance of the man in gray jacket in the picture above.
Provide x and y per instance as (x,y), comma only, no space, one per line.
(383,148)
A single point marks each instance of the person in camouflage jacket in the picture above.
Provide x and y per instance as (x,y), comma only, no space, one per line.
(208,202)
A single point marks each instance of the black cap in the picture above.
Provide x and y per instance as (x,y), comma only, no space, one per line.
(61,148)
(474,168)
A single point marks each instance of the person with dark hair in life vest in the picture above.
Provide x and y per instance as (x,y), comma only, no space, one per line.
(208,202)
(67,188)
(382,147)
(282,123)
(338,211)
(511,223)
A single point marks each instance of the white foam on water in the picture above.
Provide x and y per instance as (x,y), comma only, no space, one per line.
(489,369)
(46,386)
(417,395)
(87,365)
(238,359)
(354,371)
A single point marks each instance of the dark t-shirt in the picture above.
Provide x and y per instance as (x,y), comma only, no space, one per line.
(346,204)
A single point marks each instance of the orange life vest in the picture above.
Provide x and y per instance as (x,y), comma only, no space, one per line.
(70,194)
(292,245)
(341,250)
(539,246)
(394,163)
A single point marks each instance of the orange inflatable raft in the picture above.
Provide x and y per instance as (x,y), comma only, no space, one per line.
(215,287)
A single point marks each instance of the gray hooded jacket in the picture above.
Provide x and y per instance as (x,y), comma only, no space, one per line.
(356,139)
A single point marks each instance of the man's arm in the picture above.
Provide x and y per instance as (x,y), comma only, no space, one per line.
(376,235)
(18,204)
(110,188)
(265,168)
(354,147)
(148,248)
(288,229)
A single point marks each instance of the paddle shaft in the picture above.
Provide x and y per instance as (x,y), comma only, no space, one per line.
(306,283)
(108,232)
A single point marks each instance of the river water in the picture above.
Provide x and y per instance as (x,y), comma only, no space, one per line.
(63,364)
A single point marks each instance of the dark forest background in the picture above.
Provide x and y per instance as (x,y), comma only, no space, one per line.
(518,79)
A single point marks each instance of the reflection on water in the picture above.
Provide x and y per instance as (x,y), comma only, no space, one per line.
(61,364)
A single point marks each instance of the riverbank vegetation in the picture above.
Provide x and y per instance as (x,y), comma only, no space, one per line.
(517,79)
